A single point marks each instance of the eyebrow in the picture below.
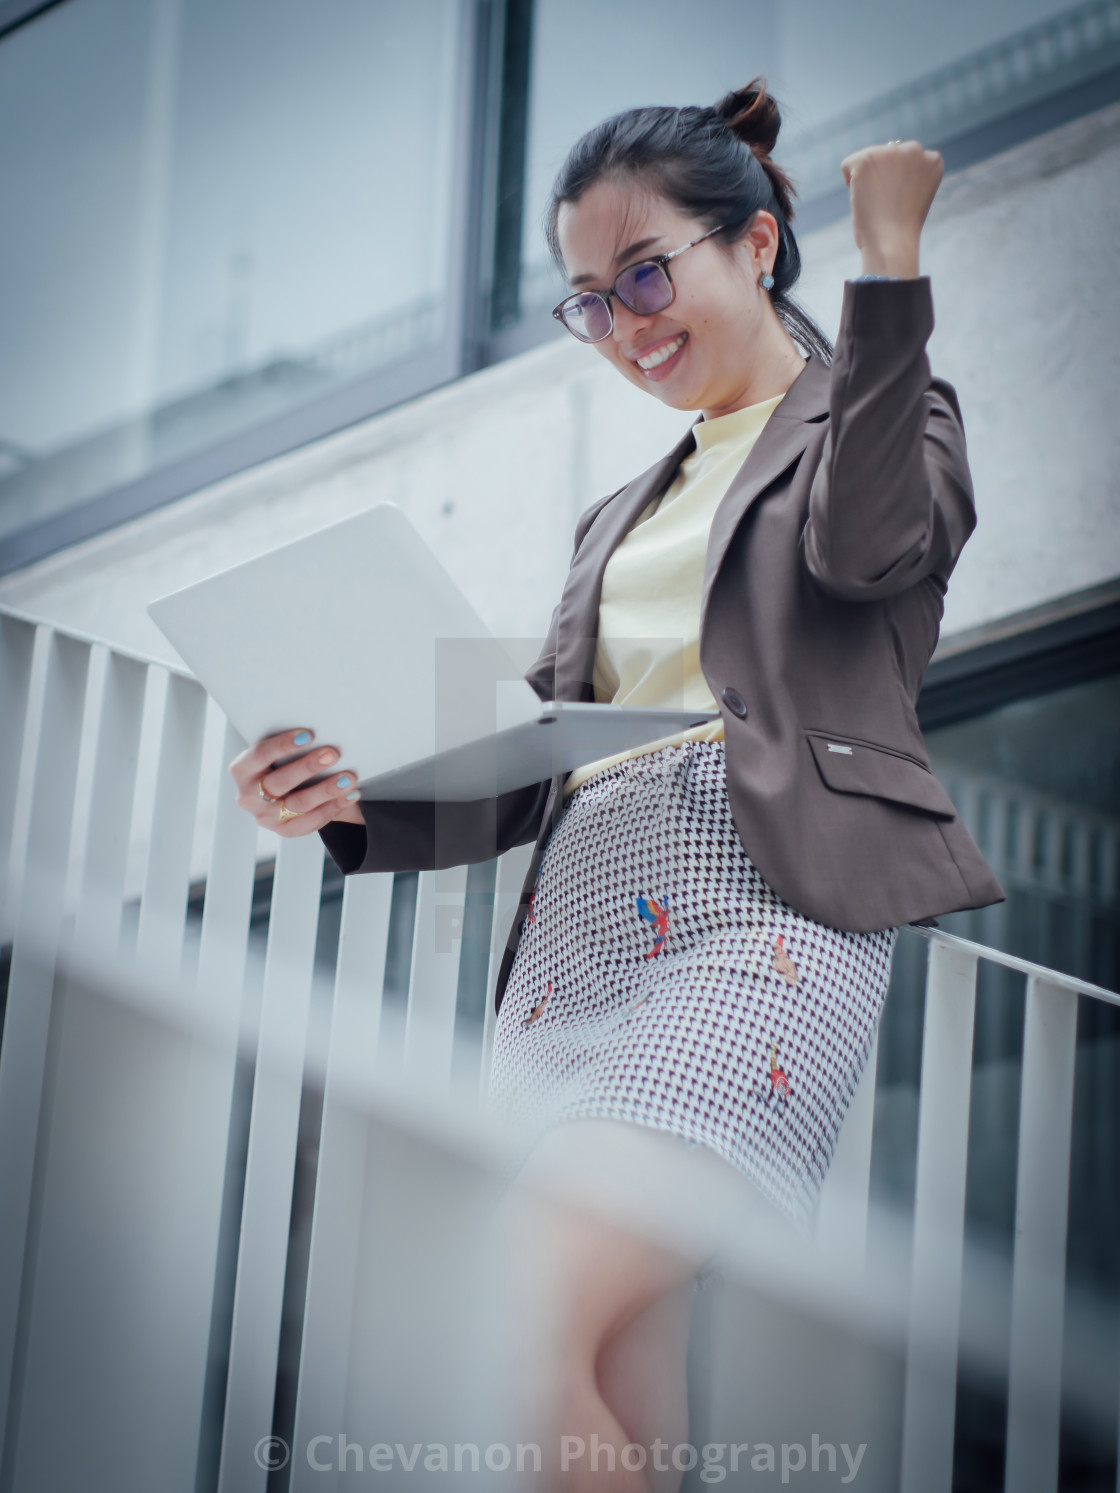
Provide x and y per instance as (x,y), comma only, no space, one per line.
(623,257)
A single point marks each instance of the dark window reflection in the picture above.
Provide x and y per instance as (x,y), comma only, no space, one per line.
(1037,783)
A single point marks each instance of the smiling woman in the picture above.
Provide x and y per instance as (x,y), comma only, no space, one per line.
(707,926)
(678,971)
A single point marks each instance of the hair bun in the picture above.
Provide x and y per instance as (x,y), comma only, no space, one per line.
(754,117)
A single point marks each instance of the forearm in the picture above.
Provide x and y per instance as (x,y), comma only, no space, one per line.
(432,836)
(891,500)
(892,257)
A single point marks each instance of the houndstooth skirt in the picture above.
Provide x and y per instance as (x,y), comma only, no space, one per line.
(659,980)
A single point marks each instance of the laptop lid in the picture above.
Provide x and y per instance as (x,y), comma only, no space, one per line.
(356,631)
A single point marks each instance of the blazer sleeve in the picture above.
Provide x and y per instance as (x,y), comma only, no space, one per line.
(891,502)
(425,836)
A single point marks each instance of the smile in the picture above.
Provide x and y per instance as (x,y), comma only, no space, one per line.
(661,354)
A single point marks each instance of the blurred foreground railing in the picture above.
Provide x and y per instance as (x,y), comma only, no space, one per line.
(148,1260)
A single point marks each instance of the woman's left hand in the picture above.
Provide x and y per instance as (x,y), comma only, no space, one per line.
(892,187)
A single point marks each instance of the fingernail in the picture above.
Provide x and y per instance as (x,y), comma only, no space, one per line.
(344,781)
(351,797)
(326,758)
(301,738)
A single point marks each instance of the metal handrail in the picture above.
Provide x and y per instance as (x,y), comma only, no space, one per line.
(78,635)
(1023,966)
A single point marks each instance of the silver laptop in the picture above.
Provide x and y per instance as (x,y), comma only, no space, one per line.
(359,633)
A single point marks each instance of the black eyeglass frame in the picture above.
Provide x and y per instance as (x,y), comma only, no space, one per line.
(662,263)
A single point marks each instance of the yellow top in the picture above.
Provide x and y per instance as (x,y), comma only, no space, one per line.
(648,652)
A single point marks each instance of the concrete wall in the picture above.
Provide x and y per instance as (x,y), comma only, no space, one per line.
(493,470)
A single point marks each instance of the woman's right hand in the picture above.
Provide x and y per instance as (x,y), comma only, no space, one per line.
(267,791)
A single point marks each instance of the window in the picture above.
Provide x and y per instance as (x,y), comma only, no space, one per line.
(232,226)
(970,79)
(217,218)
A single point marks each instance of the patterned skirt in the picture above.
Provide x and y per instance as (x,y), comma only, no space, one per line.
(659,980)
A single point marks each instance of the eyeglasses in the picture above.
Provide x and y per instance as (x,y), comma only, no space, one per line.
(643,288)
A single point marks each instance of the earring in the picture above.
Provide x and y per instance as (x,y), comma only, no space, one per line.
(767,282)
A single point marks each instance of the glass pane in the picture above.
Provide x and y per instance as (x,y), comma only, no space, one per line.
(1037,783)
(846,75)
(877,70)
(213,212)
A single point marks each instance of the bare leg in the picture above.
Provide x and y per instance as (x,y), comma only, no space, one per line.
(622,1307)
(641,1374)
(620,1295)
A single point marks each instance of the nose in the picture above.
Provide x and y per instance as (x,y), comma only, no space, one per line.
(626,322)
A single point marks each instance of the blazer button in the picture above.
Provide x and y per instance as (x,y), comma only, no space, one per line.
(735,702)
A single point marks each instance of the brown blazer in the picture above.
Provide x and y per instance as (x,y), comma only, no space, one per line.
(827,566)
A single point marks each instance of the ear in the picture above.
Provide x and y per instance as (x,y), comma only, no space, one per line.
(759,241)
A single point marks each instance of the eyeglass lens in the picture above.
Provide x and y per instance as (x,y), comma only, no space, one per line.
(644,288)
(588,316)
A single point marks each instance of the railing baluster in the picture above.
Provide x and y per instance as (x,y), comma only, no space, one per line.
(219,987)
(513,867)
(159,937)
(223,942)
(34,952)
(434,984)
(101,895)
(17,649)
(332,1273)
(270,1166)
(842,1211)
(935,1290)
(1041,1213)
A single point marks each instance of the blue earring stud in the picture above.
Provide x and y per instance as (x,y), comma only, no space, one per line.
(767,282)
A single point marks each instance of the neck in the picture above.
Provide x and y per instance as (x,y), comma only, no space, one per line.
(775,364)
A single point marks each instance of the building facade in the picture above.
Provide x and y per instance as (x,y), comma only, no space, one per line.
(257,281)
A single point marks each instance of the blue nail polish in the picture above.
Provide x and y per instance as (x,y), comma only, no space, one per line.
(301,738)
(344,781)
(353,797)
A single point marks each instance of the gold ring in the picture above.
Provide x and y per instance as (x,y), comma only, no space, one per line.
(267,797)
(286,813)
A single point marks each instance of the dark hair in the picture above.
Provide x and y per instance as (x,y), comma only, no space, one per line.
(712,163)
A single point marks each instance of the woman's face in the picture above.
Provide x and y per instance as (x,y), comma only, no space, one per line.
(718,326)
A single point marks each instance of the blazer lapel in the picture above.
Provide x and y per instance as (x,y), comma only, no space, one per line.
(781,443)
(578,624)
(783,439)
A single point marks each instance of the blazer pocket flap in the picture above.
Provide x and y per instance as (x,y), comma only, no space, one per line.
(858,767)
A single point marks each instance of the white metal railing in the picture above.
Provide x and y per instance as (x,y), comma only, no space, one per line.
(85,752)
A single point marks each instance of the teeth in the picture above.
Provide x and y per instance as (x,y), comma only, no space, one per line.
(655,359)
